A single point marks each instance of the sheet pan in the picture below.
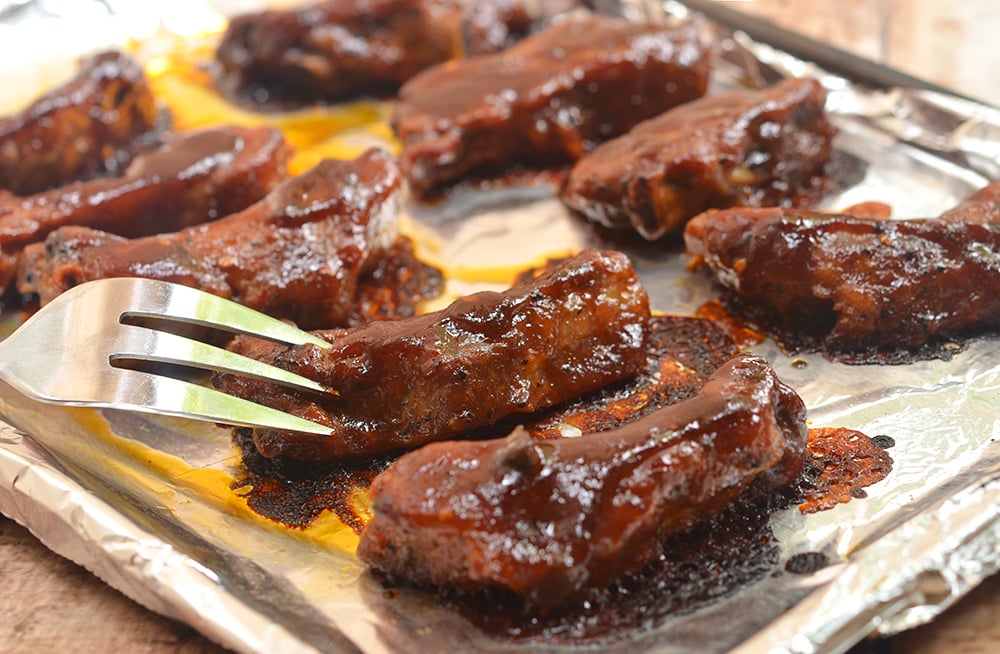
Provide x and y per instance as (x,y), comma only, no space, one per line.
(146,504)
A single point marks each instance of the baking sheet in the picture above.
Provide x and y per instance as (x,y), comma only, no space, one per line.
(146,504)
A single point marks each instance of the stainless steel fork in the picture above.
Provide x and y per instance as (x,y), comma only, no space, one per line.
(87,346)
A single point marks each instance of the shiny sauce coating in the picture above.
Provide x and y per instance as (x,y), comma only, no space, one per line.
(862,285)
(89,127)
(195,177)
(547,100)
(340,48)
(744,148)
(402,383)
(297,254)
(545,519)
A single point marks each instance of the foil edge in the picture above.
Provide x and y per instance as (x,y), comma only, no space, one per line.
(953,547)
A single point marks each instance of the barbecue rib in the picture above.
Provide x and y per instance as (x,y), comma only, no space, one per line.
(862,284)
(337,48)
(545,519)
(88,127)
(297,254)
(196,177)
(744,148)
(547,100)
(402,383)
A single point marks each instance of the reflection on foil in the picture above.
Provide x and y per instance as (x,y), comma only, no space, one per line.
(962,131)
(147,504)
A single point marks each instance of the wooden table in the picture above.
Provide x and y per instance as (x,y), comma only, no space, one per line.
(48,604)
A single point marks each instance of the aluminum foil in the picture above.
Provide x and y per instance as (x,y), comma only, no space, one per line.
(146,503)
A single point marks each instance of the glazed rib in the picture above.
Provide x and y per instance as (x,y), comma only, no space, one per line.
(297,254)
(545,519)
(744,148)
(862,284)
(402,383)
(547,100)
(196,177)
(336,48)
(89,127)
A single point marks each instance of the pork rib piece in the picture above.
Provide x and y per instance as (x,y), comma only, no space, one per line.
(337,48)
(862,284)
(547,100)
(545,519)
(744,148)
(195,177)
(88,127)
(198,176)
(402,383)
(296,254)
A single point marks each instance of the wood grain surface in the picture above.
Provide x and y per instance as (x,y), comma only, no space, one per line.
(48,604)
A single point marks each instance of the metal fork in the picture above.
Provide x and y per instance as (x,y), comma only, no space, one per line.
(90,345)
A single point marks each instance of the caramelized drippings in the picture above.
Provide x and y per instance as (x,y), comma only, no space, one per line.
(295,494)
(840,463)
(740,331)
(806,563)
(395,286)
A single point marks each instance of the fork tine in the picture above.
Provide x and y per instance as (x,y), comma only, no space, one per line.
(134,343)
(175,397)
(63,354)
(154,300)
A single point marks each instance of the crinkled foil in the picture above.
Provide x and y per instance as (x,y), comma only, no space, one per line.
(146,504)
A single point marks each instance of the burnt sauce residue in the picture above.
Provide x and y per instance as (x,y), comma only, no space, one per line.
(295,493)
(840,463)
(694,568)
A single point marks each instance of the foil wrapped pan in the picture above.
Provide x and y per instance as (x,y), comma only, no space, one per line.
(148,506)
